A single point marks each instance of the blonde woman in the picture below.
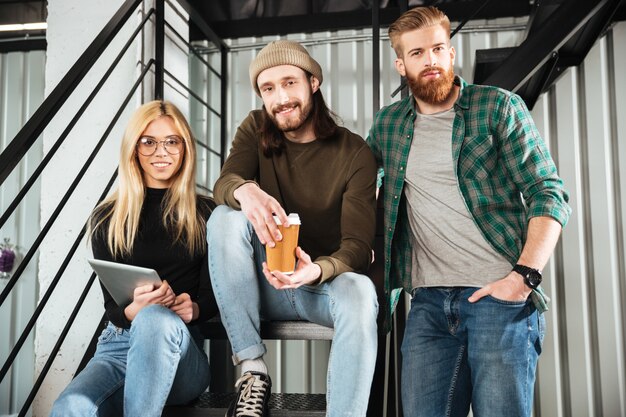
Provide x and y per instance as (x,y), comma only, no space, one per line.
(150,354)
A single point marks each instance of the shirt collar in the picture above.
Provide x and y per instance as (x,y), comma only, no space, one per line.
(407,106)
(462,100)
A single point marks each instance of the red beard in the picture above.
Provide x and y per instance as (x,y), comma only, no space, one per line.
(432,91)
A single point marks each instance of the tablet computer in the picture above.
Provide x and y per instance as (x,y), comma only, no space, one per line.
(120,280)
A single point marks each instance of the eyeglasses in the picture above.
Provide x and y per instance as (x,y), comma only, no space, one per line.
(148,146)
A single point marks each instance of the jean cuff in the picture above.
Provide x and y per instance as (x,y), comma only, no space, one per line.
(252,352)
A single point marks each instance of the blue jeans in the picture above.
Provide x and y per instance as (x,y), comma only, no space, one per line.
(347,303)
(137,372)
(455,353)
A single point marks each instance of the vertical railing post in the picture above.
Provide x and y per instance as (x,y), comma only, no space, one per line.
(375,57)
(159,48)
(404,6)
(399,316)
(223,103)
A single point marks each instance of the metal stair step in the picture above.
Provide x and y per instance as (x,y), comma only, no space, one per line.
(211,404)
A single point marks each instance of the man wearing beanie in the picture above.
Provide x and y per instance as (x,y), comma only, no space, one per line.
(292,157)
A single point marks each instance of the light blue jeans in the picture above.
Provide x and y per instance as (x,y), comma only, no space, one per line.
(455,353)
(136,372)
(347,303)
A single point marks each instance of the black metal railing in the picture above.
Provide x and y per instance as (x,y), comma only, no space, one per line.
(72,316)
(210,35)
(17,149)
(48,225)
(25,138)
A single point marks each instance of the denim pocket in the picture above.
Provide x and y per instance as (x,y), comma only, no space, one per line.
(414,292)
(507,302)
(541,326)
(106,335)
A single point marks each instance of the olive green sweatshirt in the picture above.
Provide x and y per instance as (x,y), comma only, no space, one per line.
(329,182)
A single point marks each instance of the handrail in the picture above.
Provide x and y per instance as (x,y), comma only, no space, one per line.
(47,111)
(202,187)
(159,49)
(57,211)
(197,97)
(375,57)
(46,159)
(25,138)
(207,147)
(71,318)
(57,277)
(205,104)
(193,50)
(223,104)
(195,17)
(467,19)
(554,32)
(224,49)
(57,346)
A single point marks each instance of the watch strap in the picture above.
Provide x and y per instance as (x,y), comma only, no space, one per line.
(523,269)
(526,272)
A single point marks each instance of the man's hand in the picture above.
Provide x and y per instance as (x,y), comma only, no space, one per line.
(259,208)
(306,272)
(186,309)
(509,288)
(146,295)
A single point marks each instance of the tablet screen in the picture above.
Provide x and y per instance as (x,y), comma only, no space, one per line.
(120,280)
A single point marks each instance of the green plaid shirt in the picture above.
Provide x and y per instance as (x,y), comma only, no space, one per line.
(498,157)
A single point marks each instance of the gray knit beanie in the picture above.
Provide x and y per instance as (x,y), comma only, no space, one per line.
(283,52)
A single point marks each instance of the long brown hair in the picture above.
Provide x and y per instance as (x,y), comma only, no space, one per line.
(323,119)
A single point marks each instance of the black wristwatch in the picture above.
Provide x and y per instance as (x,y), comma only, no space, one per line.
(532,276)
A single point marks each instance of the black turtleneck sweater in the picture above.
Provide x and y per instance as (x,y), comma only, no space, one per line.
(155,248)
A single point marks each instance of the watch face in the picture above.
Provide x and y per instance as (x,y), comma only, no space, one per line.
(533,279)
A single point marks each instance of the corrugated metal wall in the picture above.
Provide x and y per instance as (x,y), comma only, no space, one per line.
(582,372)
(21,92)
(204,116)
(582,368)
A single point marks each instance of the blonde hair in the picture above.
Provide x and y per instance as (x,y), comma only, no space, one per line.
(413,19)
(122,208)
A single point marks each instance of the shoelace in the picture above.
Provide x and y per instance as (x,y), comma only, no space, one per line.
(252,395)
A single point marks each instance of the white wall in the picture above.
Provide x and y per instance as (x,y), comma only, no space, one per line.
(72,26)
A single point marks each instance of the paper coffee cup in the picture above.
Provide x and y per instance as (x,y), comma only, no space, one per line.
(282,257)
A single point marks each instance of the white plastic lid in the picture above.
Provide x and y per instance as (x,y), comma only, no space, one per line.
(293,218)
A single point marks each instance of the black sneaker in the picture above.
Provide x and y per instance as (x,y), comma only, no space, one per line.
(253,395)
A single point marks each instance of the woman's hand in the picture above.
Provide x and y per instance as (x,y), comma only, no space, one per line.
(186,309)
(146,295)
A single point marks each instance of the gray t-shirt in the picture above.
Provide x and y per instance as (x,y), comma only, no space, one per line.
(448,248)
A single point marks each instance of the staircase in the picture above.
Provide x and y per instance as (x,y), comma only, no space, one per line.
(559,35)
(281,405)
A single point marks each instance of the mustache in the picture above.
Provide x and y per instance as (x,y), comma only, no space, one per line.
(431,69)
(286,106)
